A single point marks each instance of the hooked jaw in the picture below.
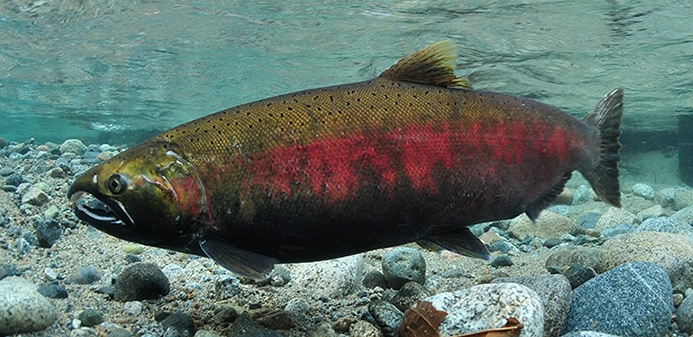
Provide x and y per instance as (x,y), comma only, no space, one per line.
(101,212)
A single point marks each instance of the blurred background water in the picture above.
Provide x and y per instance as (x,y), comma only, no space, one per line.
(119,70)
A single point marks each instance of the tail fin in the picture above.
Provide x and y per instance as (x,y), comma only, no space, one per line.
(606,119)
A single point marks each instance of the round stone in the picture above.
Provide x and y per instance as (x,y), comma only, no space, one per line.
(401,265)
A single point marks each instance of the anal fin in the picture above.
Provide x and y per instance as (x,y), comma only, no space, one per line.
(460,240)
(239,261)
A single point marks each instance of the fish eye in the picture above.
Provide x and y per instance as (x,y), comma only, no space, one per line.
(116,184)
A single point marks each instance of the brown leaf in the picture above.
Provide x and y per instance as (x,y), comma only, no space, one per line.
(512,328)
(421,320)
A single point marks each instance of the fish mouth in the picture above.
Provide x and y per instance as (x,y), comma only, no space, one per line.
(107,215)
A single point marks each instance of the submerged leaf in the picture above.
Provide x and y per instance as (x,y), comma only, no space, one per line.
(421,320)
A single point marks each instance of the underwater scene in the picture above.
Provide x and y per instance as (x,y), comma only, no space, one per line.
(329,168)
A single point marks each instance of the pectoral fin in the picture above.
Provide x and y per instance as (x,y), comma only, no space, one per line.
(460,240)
(241,262)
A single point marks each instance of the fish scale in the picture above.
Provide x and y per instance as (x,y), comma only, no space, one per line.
(414,155)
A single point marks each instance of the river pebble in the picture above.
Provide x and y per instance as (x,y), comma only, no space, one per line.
(90,317)
(672,252)
(403,264)
(633,299)
(409,294)
(332,279)
(581,195)
(14,179)
(141,281)
(387,316)
(53,290)
(22,308)
(684,215)
(578,274)
(35,196)
(84,275)
(547,225)
(487,306)
(644,190)
(684,315)
(364,329)
(502,260)
(179,321)
(7,270)
(614,217)
(48,232)
(73,146)
(555,293)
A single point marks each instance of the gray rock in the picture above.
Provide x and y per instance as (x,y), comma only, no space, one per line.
(279,276)
(35,196)
(655,211)
(502,260)
(332,278)
(8,270)
(57,172)
(387,316)
(181,322)
(409,294)
(633,299)
(588,257)
(90,317)
(589,220)
(588,334)
(48,233)
(684,215)
(555,294)
(684,315)
(364,329)
(119,332)
(672,252)
(52,212)
(133,308)
(14,179)
(6,171)
(22,308)
(73,146)
(243,326)
(53,290)
(612,231)
(374,279)
(581,195)
(548,225)
(578,274)
(664,224)
(401,265)
(141,281)
(504,247)
(487,306)
(645,191)
(84,275)
(613,217)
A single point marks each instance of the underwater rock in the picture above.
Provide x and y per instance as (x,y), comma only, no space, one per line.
(633,299)
(22,308)
(548,225)
(581,195)
(487,306)
(332,278)
(387,316)
(614,217)
(35,196)
(578,274)
(684,315)
(664,224)
(374,279)
(90,317)
(73,146)
(684,215)
(140,281)
(672,252)
(401,265)
(555,294)
(84,275)
(409,294)
(588,257)
(644,190)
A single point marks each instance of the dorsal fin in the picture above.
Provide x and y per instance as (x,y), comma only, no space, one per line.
(434,65)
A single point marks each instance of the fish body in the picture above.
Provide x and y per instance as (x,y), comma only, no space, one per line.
(412,155)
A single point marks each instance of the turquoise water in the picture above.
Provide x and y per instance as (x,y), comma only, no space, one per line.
(113,71)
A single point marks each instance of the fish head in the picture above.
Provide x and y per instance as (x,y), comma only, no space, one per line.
(147,194)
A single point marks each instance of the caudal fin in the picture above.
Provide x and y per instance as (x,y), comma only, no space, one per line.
(606,119)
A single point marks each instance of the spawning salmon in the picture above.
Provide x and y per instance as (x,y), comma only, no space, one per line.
(413,155)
